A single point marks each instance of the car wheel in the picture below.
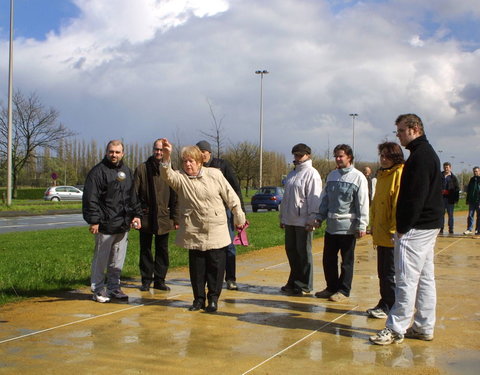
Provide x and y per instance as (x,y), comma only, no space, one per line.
(277,208)
(55,199)
(254,209)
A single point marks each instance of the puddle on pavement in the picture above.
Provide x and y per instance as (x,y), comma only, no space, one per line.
(465,362)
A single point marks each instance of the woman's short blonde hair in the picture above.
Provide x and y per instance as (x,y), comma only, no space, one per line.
(192,152)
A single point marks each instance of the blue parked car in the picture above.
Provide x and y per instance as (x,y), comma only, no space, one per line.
(268,197)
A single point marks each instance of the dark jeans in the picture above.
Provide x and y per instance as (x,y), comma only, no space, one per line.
(472,209)
(386,277)
(231,251)
(345,243)
(298,246)
(448,207)
(207,268)
(151,269)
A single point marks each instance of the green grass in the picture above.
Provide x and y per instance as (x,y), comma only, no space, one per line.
(40,263)
(39,206)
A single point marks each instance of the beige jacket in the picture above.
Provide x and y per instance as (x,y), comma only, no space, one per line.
(201,207)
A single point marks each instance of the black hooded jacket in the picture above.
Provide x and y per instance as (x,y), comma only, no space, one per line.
(108,199)
(420,201)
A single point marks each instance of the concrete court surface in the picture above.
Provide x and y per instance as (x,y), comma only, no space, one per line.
(257,330)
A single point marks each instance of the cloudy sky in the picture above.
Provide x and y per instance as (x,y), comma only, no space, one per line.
(143,69)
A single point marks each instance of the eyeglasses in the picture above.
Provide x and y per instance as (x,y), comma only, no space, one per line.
(157,149)
(400,130)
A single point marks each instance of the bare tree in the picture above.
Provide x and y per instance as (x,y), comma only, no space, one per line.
(216,136)
(243,158)
(33,126)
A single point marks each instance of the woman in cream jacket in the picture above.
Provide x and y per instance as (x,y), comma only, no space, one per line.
(203,194)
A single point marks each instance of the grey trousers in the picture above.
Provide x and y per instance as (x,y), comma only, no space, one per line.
(109,255)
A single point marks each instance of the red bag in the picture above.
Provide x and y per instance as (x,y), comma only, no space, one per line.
(241,236)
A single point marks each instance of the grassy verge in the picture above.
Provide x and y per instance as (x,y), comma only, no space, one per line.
(40,263)
(39,206)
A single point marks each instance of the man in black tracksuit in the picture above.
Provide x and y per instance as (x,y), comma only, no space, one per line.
(111,208)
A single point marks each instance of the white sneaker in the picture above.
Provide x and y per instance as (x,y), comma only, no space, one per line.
(377,313)
(412,334)
(101,297)
(386,337)
(468,232)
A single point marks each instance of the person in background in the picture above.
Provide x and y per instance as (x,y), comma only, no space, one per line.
(110,206)
(203,193)
(419,217)
(299,207)
(383,223)
(158,202)
(344,205)
(451,194)
(372,182)
(229,174)
(473,201)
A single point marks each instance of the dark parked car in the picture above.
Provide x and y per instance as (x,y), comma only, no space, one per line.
(268,197)
(63,193)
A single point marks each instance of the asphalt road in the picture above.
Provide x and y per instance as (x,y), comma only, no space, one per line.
(27,223)
(41,222)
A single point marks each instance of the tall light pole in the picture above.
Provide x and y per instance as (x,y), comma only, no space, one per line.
(261,72)
(10,131)
(353,115)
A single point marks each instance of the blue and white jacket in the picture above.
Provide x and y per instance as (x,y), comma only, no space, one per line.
(344,202)
(301,198)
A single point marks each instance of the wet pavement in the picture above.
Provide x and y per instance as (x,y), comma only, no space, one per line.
(257,330)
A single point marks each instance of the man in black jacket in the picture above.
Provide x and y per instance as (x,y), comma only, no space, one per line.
(158,203)
(110,207)
(229,174)
(473,201)
(450,193)
(419,217)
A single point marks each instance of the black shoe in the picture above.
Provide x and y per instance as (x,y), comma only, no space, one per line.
(160,285)
(197,305)
(145,287)
(287,289)
(212,307)
(450,231)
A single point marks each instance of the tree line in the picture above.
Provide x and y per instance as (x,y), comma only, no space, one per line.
(45,152)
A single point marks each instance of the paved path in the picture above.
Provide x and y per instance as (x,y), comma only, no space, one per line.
(256,331)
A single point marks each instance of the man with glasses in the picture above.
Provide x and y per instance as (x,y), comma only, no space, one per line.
(419,218)
(158,203)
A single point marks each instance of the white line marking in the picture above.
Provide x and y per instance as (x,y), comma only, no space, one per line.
(280,264)
(299,341)
(83,320)
(453,243)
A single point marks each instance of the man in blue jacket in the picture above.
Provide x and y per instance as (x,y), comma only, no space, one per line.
(419,218)
(344,205)
(111,208)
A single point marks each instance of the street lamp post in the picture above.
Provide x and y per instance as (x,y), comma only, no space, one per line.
(9,111)
(261,72)
(353,115)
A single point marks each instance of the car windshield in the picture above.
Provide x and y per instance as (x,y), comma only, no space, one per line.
(268,191)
